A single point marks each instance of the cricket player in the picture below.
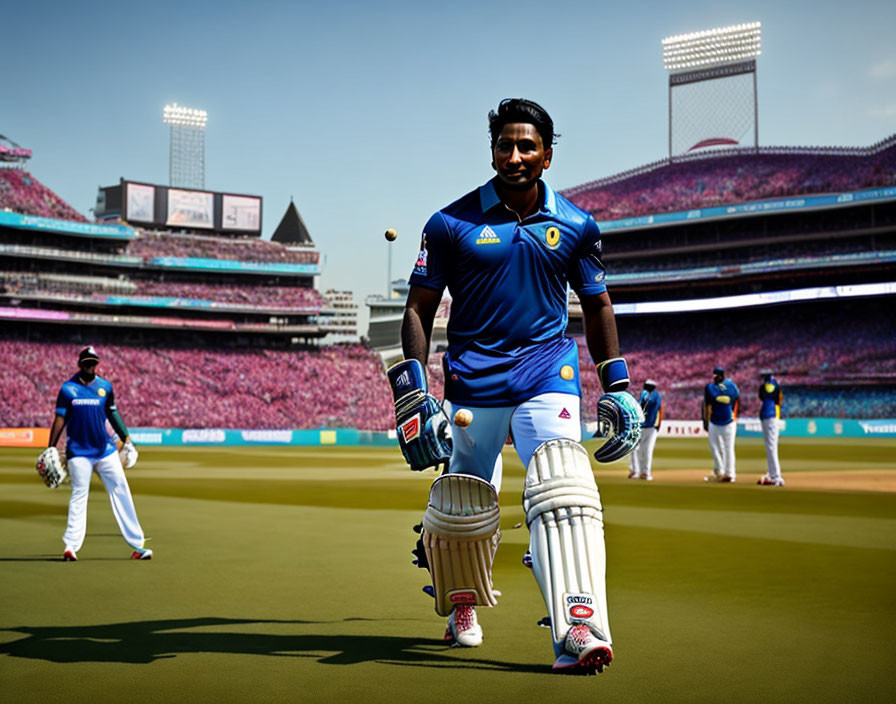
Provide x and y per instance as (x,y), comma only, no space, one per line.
(770,396)
(651,403)
(721,401)
(83,407)
(507,253)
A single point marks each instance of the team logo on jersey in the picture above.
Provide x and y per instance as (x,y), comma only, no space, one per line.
(488,236)
(101,392)
(422,257)
(769,388)
(552,237)
(564,414)
(723,399)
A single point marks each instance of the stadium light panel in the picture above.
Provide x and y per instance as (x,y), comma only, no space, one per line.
(184,117)
(712,47)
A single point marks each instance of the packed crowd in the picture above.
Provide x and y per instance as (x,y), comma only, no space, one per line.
(245,249)
(21,193)
(345,385)
(293,297)
(338,386)
(740,178)
(97,289)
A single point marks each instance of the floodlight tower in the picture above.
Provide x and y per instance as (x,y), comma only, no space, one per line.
(712,87)
(186,162)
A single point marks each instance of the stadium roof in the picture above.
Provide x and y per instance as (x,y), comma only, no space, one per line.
(291,229)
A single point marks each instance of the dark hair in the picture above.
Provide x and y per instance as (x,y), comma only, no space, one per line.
(512,110)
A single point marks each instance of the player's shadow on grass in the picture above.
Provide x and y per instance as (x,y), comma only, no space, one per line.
(143,642)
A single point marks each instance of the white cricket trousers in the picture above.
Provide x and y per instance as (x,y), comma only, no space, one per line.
(643,453)
(477,448)
(111,472)
(770,436)
(721,443)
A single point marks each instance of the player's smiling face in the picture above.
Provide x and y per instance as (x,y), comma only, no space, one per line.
(519,156)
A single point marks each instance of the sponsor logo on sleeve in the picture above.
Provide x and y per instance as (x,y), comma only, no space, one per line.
(421,266)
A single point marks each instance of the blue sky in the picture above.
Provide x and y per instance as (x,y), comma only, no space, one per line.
(372,115)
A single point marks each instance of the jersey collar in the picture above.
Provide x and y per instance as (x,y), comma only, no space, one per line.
(488,198)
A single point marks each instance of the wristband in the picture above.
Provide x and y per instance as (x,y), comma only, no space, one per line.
(613,375)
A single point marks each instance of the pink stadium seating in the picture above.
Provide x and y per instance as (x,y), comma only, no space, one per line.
(724,180)
(20,192)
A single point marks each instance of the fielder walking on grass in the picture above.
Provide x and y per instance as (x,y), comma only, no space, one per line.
(651,403)
(507,253)
(83,407)
(721,400)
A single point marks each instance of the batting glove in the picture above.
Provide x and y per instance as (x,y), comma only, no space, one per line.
(619,416)
(423,427)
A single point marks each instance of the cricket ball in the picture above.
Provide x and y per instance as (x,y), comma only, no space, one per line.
(463,417)
(391,235)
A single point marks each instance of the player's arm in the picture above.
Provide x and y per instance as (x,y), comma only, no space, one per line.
(56,430)
(706,408)
(423,429)
(617,410)
(127,452)
(416,327)
(115,418)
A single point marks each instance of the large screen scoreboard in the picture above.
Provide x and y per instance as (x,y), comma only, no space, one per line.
(150,205)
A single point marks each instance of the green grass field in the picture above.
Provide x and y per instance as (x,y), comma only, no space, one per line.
(285,575)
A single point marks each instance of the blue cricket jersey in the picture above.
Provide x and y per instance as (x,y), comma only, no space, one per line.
(652,405)
(508,282)
(84,407)
(770,395)
(721,399)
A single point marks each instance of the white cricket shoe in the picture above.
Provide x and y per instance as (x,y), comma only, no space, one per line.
(583,653)
(69,556)
(463,628)
(768,481)
(141,554)
(645,477)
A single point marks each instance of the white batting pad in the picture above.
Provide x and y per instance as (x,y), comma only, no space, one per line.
(460,536)
(565,520)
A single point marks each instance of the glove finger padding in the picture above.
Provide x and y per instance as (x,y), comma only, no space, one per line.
(51,467)
(618,416)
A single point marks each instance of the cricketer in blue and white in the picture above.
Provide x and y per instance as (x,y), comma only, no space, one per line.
(507,253)
(651,402)
(721,400)
(84,406)
(770,397)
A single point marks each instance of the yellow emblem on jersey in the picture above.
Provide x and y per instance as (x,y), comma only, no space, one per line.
(566,371)
(769,388)
(552,237)
(101,392)
(723,399)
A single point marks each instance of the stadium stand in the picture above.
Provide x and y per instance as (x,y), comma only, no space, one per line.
(149,244)
(21,193)
(172,387)
(736,176)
